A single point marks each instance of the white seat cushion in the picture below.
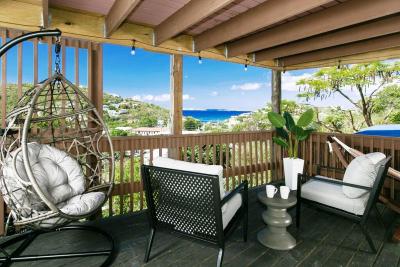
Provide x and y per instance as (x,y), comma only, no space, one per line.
(193,167)
(58,175)
(230,208)
(77,205)
(332,195)
(82,204)
(361,171)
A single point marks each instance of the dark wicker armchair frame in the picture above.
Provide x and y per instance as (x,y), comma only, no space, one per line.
(189,204)
(361,220)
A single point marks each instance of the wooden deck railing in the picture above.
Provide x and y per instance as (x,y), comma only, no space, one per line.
(244,155)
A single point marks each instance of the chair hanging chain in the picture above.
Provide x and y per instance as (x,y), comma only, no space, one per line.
(58,59)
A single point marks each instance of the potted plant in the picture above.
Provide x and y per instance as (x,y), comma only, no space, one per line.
(289,135)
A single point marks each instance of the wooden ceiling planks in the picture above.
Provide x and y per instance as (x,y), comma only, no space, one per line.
(140,25)
(339,16)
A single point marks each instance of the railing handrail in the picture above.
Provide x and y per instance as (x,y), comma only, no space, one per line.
(189,135)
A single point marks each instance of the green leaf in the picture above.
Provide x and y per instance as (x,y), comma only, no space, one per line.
(276,119)
(282,133)
(298,131)
(304,134)
(289,120)
(280,141)
(306,118)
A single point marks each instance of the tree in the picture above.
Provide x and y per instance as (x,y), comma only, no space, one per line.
(387,102)
(118,132)
(148,121)
(336,119)
(365,79)
(191,124)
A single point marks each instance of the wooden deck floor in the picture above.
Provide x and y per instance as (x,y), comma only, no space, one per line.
(323,240)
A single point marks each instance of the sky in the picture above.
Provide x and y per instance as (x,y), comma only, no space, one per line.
(145,76)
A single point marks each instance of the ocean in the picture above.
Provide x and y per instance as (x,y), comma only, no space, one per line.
(212,115)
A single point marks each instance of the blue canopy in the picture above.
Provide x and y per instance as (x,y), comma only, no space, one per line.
(389,130)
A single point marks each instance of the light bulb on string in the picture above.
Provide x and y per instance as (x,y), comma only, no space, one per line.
(133,49)
(245,67)
(200,60)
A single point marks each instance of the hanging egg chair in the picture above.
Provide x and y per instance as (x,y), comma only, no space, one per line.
(53,168)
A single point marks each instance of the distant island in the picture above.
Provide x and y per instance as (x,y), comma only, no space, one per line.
(212,115)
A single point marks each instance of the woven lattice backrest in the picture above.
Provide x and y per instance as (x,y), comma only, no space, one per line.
(187,202)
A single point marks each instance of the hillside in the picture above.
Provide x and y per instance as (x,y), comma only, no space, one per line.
(126,112)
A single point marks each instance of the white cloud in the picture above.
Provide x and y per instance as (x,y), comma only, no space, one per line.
(136,97)
(187,97)
(148,98)
(162,98)
(248,86)
(289,81)
(214,93)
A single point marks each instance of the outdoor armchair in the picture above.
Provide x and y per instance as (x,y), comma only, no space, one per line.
(191,204)
(330,195)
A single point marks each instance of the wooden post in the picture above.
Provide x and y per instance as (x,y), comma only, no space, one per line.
(276,96)
(3,116)
(176,81)
(95,76)
(95,90)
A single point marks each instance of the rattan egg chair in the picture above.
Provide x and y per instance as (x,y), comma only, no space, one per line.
(53,171)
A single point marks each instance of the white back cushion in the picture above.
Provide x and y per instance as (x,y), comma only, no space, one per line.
(193,167)
(58,175)
(361,171)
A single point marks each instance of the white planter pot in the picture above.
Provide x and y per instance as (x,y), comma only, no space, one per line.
(292,167)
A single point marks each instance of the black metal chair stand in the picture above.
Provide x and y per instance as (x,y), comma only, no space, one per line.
(360,220)
(190,205)
(27,238)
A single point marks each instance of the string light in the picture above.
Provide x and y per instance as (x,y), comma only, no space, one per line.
(133,49)
(245,67)
(200,59)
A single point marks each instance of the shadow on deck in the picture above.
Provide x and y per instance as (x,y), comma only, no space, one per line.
(323,240)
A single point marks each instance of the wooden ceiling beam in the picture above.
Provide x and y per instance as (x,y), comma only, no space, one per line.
(359,32)
(365,46)
(254,19)
(45,14)
(118,13)
(192,13)
(330,19)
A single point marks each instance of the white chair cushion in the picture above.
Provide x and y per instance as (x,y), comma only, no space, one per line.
(82,204)
(361,171)
(230,208)
(58,175)
(332,195)
(77,205)
(193,167)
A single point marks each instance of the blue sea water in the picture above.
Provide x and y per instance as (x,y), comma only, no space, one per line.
(212,115)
